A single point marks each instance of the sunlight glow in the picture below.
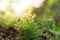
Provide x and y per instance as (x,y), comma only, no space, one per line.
(19,6)
(3,4)
(37,3)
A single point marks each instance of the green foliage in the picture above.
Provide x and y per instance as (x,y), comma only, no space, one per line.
(54,29)
(8,21)
(29,30)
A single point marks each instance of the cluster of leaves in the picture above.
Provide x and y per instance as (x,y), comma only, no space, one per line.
(29,30)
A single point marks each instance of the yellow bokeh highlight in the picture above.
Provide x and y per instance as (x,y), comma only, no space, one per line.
(51,2)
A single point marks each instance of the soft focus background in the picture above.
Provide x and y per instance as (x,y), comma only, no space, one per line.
(30,19)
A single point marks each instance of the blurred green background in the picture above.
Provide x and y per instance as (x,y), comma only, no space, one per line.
(46,24)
